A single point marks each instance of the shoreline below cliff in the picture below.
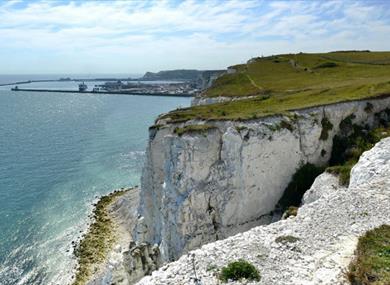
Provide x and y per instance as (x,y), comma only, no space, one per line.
(106,236)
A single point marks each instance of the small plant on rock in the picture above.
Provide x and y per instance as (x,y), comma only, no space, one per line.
(286,239)
(291,211)
(238,270)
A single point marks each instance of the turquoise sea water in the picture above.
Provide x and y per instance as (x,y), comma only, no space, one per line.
(58,152)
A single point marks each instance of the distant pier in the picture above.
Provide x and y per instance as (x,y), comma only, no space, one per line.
(70,80)
(106,92)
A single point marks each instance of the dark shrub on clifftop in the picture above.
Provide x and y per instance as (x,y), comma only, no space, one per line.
(238,270)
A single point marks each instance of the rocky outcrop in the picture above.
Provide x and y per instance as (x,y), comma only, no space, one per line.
(207,185)
(324,185)
(315,247)
(207,77)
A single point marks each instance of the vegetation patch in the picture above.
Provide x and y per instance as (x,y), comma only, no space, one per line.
(286,125)
(193,129)
(282,104)
(291,211)
(326,127)
(300,182)
(369,107)
(346,125)
(343,171)
(97,242)
(347,149)
(230,84)
(241,128)
(371,265)
(286,239)
(238,270)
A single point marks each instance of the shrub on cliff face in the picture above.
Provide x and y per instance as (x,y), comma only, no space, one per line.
(326,127)
(371,265)
(202,129)
(238,270)
(300,182)
(352,142)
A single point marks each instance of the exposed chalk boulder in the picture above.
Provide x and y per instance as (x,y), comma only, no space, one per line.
(324,185)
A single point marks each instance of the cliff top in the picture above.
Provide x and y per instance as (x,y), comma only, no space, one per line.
(285,82)
(297,72)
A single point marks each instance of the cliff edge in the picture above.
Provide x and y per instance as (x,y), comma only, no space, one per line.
(207,181)
(315,247)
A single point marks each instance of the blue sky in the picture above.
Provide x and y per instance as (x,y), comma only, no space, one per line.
(138,36)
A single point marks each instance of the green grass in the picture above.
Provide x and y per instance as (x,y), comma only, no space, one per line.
(278,104)
(193,129)
(360,57)
(95,245)
(277,74)
(343,171)
(280,86)
(233,83)
(372,263)
(238,270)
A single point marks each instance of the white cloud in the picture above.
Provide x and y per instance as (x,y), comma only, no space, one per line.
(135,36)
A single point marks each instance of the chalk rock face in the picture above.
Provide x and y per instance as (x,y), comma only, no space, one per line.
(203,186)
(315,247)
(324,185)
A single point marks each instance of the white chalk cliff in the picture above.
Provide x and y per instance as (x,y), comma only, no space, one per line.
(316,246)
(205,186)
(221,183)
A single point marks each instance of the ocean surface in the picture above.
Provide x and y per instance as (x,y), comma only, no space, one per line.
(58,153)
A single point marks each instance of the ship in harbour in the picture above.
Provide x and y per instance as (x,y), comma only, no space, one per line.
(83,87)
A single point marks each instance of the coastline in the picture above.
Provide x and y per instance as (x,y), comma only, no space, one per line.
(107,235)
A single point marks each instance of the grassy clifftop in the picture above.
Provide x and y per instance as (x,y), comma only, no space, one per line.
(297,72)
(293,81)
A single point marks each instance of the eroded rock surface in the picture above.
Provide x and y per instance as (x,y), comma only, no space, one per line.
(326,230)
(199,187)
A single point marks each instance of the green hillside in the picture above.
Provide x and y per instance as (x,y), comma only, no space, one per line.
(292,81)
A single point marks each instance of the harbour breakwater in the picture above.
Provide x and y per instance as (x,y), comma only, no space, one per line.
(69,80)
(102,92)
